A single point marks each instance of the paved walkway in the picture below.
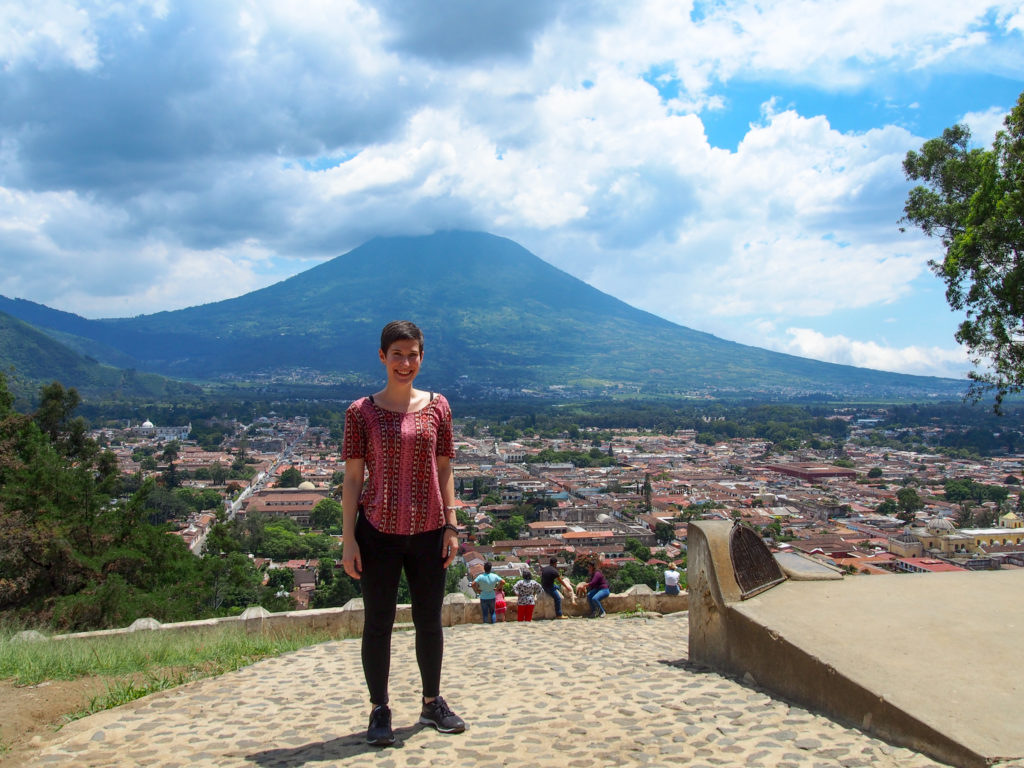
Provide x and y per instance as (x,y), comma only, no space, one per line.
(579,693)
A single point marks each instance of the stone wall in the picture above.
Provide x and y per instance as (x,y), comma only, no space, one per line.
(347,621)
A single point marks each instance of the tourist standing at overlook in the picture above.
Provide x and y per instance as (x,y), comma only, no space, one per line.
(671,580)
(549,578)
(526,591)
(486,585)
(400,517)
(597,590)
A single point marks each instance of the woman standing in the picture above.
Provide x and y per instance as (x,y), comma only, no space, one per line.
(400,518)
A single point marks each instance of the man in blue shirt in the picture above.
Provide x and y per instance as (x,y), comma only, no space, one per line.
(484,585)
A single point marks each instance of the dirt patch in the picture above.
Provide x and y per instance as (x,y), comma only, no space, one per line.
(30,715)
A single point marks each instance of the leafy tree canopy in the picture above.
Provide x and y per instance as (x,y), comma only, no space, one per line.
(973,200)
(964,488)
(290,478)
(326,514)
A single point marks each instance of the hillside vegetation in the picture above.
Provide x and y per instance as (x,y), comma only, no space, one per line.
(32,358)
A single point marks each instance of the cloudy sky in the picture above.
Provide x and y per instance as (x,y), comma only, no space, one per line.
(732,166)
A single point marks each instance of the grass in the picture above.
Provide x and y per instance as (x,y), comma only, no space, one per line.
(637,613)
(122,691)
(142,662)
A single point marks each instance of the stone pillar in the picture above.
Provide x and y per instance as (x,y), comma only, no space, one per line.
(711,585)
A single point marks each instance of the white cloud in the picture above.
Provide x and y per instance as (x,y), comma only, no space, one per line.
(985,125)
(60,249)
(46,33)
(832,45)
(184,133)
(924,361)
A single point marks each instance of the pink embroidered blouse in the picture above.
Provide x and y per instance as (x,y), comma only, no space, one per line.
(401,494)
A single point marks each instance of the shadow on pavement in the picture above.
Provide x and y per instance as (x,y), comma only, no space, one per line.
(335,749)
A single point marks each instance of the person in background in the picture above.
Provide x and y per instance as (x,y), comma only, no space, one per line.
(500,606)
(671,580)
(486,585)
(398,501)
(526,590)
(549,582)
(597,590)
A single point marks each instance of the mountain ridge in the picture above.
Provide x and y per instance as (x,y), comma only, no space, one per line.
(492,312)
(31,358)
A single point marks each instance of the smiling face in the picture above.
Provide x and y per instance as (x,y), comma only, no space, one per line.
(402,361)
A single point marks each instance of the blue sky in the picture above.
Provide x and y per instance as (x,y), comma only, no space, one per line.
(732,166)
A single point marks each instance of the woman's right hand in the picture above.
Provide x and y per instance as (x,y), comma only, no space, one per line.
(351,560)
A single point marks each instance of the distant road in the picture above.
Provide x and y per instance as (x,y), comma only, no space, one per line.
(262,478)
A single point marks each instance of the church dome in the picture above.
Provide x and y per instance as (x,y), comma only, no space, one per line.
(305,485)
(147,424)
(940,525)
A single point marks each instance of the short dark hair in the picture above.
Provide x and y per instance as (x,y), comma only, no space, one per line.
(398,330)
(487,567)
(553,561)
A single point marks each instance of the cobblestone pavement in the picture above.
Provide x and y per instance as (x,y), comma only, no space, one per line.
(582,693)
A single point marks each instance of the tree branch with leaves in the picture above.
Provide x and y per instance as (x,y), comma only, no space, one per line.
(972,199)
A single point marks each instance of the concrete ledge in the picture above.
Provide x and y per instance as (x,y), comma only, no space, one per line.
(923,661)
(347,621)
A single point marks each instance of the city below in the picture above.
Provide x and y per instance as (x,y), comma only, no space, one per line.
(867,509)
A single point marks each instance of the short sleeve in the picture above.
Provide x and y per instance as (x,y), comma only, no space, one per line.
(354,442)
(445,440)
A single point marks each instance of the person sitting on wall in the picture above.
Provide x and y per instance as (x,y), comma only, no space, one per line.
(597,590)
(551,583)
(671,580)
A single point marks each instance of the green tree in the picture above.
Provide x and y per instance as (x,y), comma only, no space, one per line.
(325,572)
(163,504)
(54,414)
(965,516)
(342,589)
(326,514)
(290,478)
(230,583)
(281,540)
(973,200)
(908,501)
(664,533)
(70,553)
(281,579)
(218,474)
(632,573)
(171,451)
(637,550)
(453,576)
(875,472)
(169,477)
(887,507)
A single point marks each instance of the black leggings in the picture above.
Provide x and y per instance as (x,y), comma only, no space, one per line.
(384,556)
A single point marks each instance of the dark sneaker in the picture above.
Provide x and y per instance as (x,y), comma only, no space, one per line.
(438,714)
(379,733)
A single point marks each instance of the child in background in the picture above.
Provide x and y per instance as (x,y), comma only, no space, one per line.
(499,604)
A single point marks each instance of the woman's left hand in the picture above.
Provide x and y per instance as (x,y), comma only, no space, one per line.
(449,547)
